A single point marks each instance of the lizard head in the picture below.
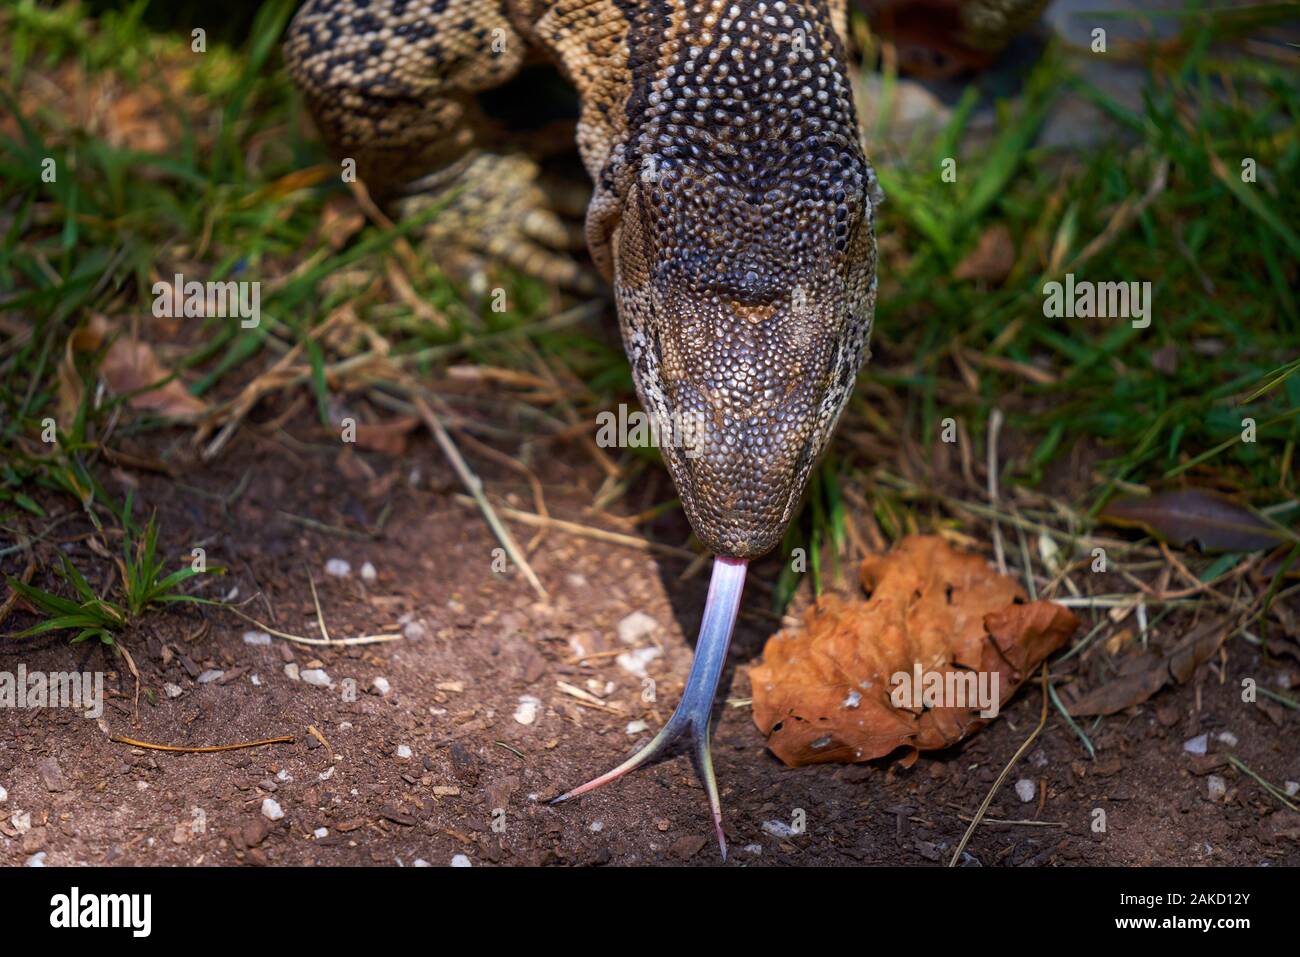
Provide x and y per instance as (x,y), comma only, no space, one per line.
(745,296)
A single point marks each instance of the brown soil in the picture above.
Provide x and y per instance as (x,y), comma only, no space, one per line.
(480,641)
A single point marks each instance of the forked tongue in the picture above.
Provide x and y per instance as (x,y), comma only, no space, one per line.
(696,706)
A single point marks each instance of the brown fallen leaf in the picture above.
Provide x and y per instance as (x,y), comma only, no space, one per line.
(131,365)
(827,691)
(340,219)
(992,257)
(1212,521)
(1141,675)
(388,438)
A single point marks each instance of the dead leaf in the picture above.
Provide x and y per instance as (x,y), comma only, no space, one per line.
(823,691)
(992,257)
(388,437)
(340,220)
(1213,521)
(1141,675)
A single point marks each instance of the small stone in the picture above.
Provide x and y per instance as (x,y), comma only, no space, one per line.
(688,845)
(404,752)
(36,860)
(635,627)
(321,832)
(636,727)
(526,713)
(421,862)
(256,638)
(1292,789)
(460,860)
(209,676)
(755,849)
(4,795)
(1228,738)
(779,829)
(51,774)
(291,671)
(172,690)
(1026,790)
(381,686)
(255,680)
(271,810)
(316,677)
(414,631)
(634,662)
(338,568)
(368,573)
(22,822)
(34,840)
(283,776)
(1216,786)
(596,827)
(1197,745)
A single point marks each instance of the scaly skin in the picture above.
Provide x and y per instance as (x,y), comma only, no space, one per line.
(733,213)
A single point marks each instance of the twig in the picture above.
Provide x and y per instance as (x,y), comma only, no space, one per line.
(329,642)
(988,798)
(287,739)
(475,488)
(589,531)
(995,429)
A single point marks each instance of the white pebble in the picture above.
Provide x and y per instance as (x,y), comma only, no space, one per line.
(1197,745)
(326,774)
(636,727)
(636,626)
(1026,790)
(209,676)
(381,685)
(1228,738)
(4,795)
(1217,787)
(321,832)
(1292,788)
(460,860)
(526,713)
(404,752)
(256,680)
(338,568)
(754,849)
(779,829)
(283,775)
(271,810)
(256,638)
(368,572)
(291,671)
(22,822)
(634,662)
(36,860)
(421,862)
(172,690)
(413,631)
(317,677)
(596,827)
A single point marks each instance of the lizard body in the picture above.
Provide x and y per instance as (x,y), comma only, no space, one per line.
(733,213)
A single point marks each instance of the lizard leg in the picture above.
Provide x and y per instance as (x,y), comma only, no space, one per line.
(392,85)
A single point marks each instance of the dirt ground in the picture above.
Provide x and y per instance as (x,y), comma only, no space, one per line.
(416,774)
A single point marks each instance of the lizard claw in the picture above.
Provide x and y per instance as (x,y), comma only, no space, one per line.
(696,706)
(496,210)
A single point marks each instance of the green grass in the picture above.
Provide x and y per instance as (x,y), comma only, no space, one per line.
(229,202)
(144,585)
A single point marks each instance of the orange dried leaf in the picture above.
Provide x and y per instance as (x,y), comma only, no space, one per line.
(830,690)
